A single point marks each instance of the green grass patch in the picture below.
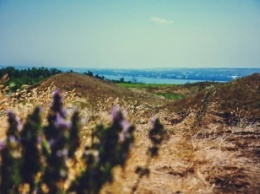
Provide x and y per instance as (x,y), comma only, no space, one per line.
(143,85)
(167,91)
(171,96)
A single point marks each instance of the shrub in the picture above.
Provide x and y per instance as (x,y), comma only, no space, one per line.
(38,156)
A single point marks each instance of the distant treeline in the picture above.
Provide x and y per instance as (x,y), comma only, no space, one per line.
(29,76)
(32,76)
(91,74)
(121,80)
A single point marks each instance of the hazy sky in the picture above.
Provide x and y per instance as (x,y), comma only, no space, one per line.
(130,33)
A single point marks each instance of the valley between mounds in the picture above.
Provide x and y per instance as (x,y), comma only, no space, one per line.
(213,133)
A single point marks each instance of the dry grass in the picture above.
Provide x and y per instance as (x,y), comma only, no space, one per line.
(205,157)
(201,161)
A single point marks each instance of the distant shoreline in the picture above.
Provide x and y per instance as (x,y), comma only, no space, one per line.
(163,75)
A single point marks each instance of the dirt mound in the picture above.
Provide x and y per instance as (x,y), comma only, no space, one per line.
(85,86)
(104,95)
(233,101)
(241,96)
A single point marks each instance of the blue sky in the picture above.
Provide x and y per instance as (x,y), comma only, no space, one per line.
(130,33)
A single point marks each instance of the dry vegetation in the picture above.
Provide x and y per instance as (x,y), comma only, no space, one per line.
(213,136)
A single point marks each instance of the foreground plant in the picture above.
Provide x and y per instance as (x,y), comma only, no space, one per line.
(109,148)
(61,144)
(11,158)
(32,159)
(38,156)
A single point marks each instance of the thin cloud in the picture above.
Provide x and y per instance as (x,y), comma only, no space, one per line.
(158,20)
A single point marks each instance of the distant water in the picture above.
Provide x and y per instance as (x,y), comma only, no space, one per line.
(167,76)
(151,80)
(174,76)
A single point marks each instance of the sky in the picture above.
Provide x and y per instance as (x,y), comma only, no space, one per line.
(130,33)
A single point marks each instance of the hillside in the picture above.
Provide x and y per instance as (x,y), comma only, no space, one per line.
(233,101)
(84,85)
(207,149)
(92,88)
(213,144)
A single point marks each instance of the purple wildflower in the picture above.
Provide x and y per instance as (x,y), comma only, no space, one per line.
(2,144)
(86,152)
(11,139)
(94,153)
(125,125)
(57,95)
(11,115)
(39,139)
(61,153)
(117,114)
(60,122)
(153,120)
(51,142)
(19,124)
(58,102)
(12,118)
(121,137)
(63,112)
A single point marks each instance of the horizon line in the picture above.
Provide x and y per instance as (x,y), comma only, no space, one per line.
(126,68)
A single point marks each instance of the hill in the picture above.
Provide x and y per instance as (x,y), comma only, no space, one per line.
(84,85)
(213,143)
(233,101)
